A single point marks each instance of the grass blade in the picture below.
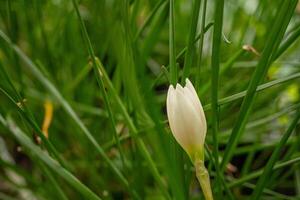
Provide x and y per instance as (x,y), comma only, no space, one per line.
(263,180)
(234,97)
(215,63)
(190,52)
(200,48)
(172,58)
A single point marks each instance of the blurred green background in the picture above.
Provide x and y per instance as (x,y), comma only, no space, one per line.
(115,138)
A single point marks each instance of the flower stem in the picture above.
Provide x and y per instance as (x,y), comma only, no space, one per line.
(203,178)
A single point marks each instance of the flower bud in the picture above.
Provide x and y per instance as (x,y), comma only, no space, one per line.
(186,118)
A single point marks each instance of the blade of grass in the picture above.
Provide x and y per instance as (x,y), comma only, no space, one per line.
(281,22)
(200,46)
(288,42)
(263,180)
(215,63)
(55,166)
(12,32)
(190,52)
(234,97)
(172,59)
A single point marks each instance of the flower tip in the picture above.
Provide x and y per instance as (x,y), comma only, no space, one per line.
(178,86)
(171,87)
(170,90)
(187,81)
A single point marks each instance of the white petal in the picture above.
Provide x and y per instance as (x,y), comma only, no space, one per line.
(171,98)
(190,86)
(186,124)
(193,95)
(197,107)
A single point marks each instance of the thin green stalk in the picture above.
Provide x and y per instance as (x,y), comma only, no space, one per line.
(200,47)
(12,32)
(287,43)
(215,63)
(190,52)
(234,97)
(263,180)
(172,58)
(203,178)
(281,22)
(10,83)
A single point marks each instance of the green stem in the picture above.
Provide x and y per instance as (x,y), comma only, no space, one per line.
(200,47)
(190,52)
(215,63)
(172,58)
(203,178)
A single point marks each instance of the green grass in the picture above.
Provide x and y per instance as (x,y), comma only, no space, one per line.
(105,66)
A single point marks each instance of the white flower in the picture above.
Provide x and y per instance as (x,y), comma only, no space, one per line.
(186,118)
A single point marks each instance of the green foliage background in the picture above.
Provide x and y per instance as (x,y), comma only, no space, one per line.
(106,65)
